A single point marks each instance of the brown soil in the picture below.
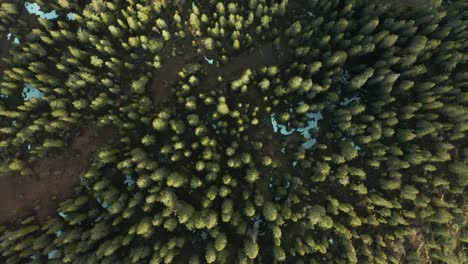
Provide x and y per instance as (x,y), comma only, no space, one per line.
(53,179)
(169,73)
(265,55)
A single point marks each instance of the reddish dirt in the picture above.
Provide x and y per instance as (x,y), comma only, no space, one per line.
(53,180)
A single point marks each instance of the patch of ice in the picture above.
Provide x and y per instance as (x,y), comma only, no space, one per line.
(210,61)
(129,180)
(345,77)
(312,124)
(53,254)
(305,131)
(30,92)
(310,14)
(35,9)
(16,40)
(62,214)
(347,101)
(276,126)
(104,205)
(71,16)
(355,146)
(204,235)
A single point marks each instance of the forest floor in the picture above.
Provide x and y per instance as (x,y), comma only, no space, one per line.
(4,48)
(53,179)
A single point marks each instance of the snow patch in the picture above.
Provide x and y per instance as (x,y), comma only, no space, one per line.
(104,205)
(16,40)
(54,254)
(210,61)
(305,131)
(129,181)
(71,16)
(355,146)
(35,9)
(347,101)
(30,92)
(62,214)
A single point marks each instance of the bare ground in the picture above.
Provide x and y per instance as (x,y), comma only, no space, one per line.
(53,179)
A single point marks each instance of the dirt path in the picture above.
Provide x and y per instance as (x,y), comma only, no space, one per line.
(53,180)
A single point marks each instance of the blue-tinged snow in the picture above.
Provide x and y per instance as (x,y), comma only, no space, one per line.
(53,254)
(129,180)
(347,101)
(313,123)
(71,16)
(355,146)
(104,205)
(62,214)
(305,131)
(283,129)
(16,41)
(345,77)
(35,9)
(30,92)
(210,61)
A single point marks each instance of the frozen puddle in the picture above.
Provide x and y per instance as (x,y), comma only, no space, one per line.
(210,61)
(16,40)
(35,9)
(30,92)
(347,101)
(305,131)
(129,181)
(71,16)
